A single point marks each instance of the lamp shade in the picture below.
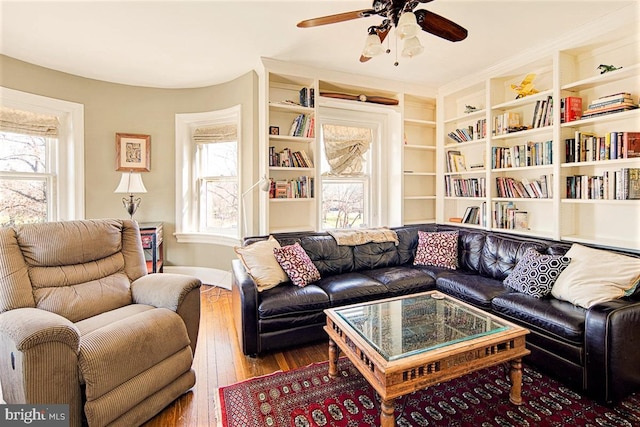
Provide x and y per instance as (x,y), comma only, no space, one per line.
(412,47)
(373,46)
(407,25)
(130,183)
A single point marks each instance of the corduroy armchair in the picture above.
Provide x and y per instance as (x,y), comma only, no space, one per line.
(81,322)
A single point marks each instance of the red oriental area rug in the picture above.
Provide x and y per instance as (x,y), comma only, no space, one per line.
(308,397)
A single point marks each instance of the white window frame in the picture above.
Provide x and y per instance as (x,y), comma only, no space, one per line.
(68,192)
(385,123)
(187,188)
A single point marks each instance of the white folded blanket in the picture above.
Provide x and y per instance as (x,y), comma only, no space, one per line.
(353,237)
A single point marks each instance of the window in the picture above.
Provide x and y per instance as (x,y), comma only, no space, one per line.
(41,159)
(346,173)
(217,171)
(207,170)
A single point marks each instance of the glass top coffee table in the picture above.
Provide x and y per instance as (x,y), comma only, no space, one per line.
(404,344)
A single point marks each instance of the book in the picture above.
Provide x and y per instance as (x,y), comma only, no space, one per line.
(631,144)
(521,220)
(633,183)
(572,108)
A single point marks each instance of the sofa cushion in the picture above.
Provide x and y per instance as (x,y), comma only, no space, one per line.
(535,273)
(407,243)
(287,300)
(471,288)
(500,254)
(549,315)
(327,256)
(470,245)
(375,255)
(402,280)
(261,263)
(297,264)
(351,288)
(138,339)
(439,249)
(596,276)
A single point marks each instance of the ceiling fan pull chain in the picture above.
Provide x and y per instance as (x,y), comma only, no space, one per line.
(396,51)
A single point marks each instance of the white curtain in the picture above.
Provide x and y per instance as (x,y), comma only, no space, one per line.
(216,133)
(28,123)
(345,147)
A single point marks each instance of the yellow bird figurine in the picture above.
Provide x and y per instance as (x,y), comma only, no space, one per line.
(526,87)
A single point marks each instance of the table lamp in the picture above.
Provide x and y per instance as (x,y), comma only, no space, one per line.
(131,183)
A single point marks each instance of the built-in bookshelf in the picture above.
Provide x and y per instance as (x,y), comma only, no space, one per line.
(419,164)
(558,139)
(290,156)
(291,152)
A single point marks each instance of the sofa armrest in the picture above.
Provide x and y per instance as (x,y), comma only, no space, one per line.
(612,336)
(163,290)
(244,300)
(39,358)
(177,292)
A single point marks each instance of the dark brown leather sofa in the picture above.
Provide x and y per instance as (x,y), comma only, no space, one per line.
(590,350)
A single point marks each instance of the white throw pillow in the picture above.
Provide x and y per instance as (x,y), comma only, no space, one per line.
(595,276)
(261,263)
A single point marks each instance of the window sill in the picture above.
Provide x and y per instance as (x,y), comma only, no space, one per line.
(211,239)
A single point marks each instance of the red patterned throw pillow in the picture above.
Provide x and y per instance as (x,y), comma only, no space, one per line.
(439,249)
(297,264)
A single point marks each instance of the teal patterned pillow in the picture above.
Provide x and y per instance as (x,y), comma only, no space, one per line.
(536,273)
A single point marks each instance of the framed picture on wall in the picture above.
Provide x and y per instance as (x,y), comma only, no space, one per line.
(133,152)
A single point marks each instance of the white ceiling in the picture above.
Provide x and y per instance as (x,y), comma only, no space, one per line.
(180,44)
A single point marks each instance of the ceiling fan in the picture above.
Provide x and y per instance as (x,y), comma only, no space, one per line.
(402,15)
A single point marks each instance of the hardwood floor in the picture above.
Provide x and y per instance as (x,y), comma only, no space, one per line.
(219,361)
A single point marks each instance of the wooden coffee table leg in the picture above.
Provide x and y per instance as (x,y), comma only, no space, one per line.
(515,373)
(334,352)
(387,413)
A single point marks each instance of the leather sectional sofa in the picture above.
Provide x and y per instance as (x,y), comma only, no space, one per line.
(592,350)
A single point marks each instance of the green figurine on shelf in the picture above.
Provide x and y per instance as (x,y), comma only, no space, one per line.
(604,68)
(469,109)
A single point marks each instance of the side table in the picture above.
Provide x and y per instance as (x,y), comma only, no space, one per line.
(152,243)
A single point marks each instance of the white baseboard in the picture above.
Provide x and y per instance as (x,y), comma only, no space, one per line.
(208,276)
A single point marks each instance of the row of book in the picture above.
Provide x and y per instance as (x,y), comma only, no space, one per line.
(456,161)
(623,184)
(464,187)
(298,188)
(609,104)
(542,113)
(523,188)
(570,109)
(470,133)
(522,155)
(303,125)
(289,159)
(475,215)
(507,123)
(507,216)
(588,146)
(307,97)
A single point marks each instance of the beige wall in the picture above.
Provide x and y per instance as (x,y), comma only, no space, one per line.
(111,108)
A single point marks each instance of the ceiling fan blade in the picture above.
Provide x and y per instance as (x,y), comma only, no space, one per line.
(440,26)
(383,35)
(332,19)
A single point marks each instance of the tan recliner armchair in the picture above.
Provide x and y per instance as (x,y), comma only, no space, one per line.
(81,322)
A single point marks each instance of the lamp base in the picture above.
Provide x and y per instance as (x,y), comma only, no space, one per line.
(131,204)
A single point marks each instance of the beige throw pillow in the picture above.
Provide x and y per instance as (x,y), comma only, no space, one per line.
(261,263)
(595,276)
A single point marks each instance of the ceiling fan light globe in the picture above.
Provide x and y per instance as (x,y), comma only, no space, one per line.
(373,46)
(407,25)
(412,47)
